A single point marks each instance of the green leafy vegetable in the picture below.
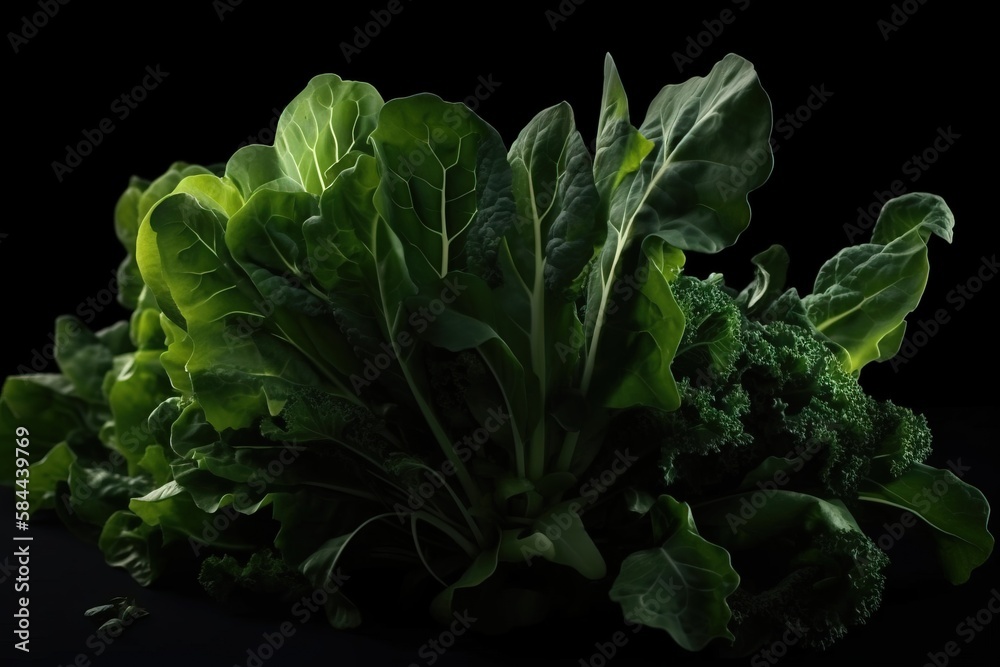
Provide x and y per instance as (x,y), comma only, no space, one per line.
(389,345)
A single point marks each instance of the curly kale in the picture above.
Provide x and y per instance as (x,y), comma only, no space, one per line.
(769,445)
(833,584)
(262,581)
(752,390)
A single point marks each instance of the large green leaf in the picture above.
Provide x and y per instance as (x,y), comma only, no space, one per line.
(556,200)
(687,183)
(711,148)
(131,209)
(198,277)
(862,296)
(325,122)
(955,512)
(543,259)
(359,262)
(680,586)
(247,350)
(445,185)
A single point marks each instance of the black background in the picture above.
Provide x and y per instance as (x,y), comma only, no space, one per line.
(892,89)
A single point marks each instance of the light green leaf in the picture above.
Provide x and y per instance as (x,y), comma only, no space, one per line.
(862,296)
(325,122)
(256,167)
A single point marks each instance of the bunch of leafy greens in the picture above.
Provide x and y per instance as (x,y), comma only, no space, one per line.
(387,344)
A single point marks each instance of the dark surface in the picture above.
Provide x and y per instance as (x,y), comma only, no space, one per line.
(890,97)
(920,613)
